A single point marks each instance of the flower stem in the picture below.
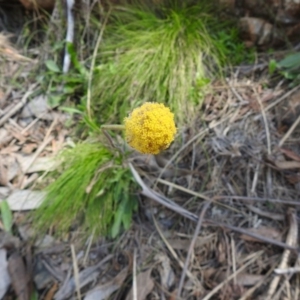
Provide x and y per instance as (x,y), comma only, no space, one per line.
(113,127)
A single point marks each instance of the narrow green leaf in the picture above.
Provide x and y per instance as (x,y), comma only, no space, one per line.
(6,216)
(115,230)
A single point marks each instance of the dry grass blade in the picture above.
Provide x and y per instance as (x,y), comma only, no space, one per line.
(172,251)
(251,258)
(76,272)
(191,248)
(290,131)
(283,97)
(255,199)
(134,288)
(146,191)
(287,271)
(291,240)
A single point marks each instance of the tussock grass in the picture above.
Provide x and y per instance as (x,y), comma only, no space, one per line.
(164,55)
(92,192)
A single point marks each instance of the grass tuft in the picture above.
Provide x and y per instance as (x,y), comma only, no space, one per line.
(160,55)
(92,192)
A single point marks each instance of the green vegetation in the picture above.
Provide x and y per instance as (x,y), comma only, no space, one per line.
(289,68)
(155,55)
(233,48)
(92,191)
(166,54)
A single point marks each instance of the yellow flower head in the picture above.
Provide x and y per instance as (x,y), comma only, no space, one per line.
(150,128)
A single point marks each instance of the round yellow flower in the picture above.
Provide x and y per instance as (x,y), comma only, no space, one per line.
(150,128)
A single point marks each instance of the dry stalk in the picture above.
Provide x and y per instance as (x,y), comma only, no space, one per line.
(191,247)
(291,240)
(134,281)
(76,272)
(290,131)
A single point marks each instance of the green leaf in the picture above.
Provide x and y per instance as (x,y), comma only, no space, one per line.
(115,230)
(70,110)
(6,215)
(55,100)
(77,65)
(291,61)
(52,66)
(272,66)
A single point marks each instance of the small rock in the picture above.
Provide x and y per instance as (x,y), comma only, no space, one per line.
(37,107)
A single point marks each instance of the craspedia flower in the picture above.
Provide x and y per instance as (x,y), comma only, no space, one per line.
(150,128)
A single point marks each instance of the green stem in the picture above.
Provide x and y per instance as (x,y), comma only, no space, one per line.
(113,127)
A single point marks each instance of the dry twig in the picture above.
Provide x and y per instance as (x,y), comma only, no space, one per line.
(291,240)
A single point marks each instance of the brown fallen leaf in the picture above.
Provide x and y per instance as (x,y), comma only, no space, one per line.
(144,284)
(263,231)
(51,292)
(19,277)
(290,154)
(243,279)
(287,165)
(3,174)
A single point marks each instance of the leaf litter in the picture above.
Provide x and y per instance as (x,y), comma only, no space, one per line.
(233,152)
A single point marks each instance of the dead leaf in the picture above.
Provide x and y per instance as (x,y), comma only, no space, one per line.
(51,292)
(4,192)
(4,275)
(290,154)
(287,165)
(3,174)
(10,149)
(85,277)
(184,244)
(5,137)
(268,232)
(245,279)
(145,285)
(40,164)
(167,275)
(25,200)
(19,276)
(103,291)
(37,107)
(28,148)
